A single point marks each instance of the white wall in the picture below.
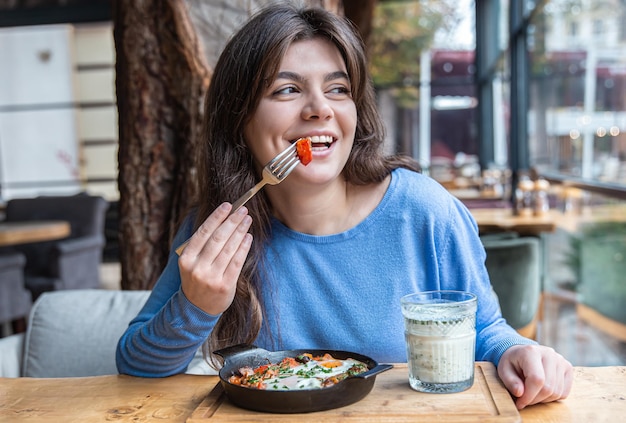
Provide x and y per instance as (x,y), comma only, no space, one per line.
(38,132)
(97,119)
(58,118)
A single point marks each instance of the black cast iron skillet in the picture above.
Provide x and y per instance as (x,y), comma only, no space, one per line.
(346,392)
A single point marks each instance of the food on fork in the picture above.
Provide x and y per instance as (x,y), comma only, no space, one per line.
(304,371)
(303,149)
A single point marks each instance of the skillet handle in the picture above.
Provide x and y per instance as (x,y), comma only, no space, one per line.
(235,350)
(376,370)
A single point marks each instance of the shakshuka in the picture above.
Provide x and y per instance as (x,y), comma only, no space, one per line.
(304,371)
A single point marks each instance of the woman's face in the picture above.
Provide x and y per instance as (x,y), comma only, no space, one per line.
(310,97)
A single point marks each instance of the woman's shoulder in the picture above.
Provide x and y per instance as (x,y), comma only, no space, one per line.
(425,196)
(417,183)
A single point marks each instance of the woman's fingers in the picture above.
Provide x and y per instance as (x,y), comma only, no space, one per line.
(534,374)
(226,241)
(206,229)
(237,260)
(212,261)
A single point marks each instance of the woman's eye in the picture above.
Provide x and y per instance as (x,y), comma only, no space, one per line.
(286,90)
(339,90)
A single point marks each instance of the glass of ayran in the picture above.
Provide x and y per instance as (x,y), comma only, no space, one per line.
(440,333)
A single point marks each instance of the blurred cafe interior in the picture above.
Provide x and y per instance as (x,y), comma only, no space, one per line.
(518,108)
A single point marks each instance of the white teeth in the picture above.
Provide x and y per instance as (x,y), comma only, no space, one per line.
(321,139)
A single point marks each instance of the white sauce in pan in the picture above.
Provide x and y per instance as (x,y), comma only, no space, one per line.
(307,376)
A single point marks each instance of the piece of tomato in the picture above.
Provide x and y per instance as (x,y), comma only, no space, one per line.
(303,149)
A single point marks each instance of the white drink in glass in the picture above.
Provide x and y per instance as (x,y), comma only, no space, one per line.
(440,333)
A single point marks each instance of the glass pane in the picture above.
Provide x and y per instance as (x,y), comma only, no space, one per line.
(529,6)
(503,24)
(501,108)
(578,90)
(422,63)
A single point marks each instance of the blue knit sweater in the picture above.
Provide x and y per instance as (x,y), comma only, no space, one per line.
(341,291)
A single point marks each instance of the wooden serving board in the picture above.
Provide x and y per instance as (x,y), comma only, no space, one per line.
(391,400)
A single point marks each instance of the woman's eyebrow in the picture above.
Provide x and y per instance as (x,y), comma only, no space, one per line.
(336,75)
(293,76)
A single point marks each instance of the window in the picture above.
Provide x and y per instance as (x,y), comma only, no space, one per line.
(423,55)
(577,93)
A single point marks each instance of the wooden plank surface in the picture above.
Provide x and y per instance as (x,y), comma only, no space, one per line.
(102,398)
(391,400)
(12,233)
(598,395)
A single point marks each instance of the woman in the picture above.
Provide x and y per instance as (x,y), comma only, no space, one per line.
(337,243)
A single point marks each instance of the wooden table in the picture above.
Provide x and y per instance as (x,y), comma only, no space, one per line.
(572,221)
(500,220)
(598,395)
(23,232)
(474,194)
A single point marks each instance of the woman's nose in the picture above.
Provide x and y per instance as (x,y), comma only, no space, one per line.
(317,107)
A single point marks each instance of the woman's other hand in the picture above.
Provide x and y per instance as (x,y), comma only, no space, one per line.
(535,374)
(211,262)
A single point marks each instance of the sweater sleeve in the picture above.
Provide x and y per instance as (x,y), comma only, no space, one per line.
(163,338)
(462,266)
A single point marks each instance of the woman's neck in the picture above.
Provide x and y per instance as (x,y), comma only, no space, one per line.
(326,210)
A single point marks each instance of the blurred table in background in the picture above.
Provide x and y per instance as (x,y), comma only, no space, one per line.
(474,194)
(571,221)
(12,233)
(475,198)
(496,219)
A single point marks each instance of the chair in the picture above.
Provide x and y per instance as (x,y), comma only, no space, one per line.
(15,300)
(68,263)
(602,286)
(514,267)
(74,333)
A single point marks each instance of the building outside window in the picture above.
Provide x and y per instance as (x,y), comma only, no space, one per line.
(578,89)
(422,61)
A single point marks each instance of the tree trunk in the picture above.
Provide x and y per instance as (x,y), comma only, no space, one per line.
(161,83)
(360,12)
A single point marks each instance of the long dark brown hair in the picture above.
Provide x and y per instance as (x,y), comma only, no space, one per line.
(246,67)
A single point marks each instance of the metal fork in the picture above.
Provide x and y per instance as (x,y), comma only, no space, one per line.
(274,172)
